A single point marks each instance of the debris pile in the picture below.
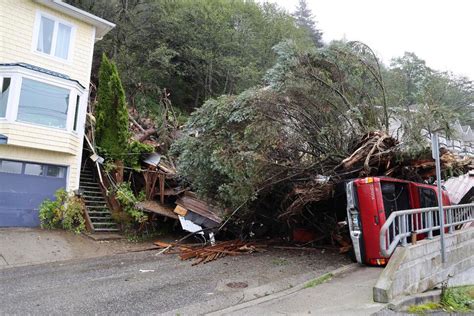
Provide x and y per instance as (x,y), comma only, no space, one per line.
(210,253)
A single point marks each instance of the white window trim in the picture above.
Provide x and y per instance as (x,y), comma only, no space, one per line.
(56,20)
(18,73)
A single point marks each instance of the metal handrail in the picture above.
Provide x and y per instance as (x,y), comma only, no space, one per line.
(402,224)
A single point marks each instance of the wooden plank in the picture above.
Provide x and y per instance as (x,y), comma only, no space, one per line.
(180,210)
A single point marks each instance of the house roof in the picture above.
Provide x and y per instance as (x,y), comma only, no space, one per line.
(460,188)
(42,70)
(102,26)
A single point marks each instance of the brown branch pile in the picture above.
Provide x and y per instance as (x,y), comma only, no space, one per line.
(210,253)
(376,154)
(372,156)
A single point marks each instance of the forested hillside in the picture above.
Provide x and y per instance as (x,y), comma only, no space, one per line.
(269,106)
(197,49)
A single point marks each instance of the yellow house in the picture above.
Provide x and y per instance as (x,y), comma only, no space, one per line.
(46,49)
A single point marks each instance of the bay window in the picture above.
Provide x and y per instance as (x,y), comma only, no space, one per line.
(32,96)
(4,91)
(43,104)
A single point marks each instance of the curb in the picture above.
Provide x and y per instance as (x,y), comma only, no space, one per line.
(400,305)
(276,295)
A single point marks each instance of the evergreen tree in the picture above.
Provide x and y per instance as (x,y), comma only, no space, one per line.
(112,115)
(305,20)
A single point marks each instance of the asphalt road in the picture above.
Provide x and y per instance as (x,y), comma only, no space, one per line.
(147,283)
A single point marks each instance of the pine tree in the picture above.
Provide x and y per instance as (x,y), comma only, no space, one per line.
(112,115)
(304,19)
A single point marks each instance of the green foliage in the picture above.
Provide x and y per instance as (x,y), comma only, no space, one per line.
(305,20)
(66,212)
(320,280)
(425,100)
(112,115)
(224,152)
(135,151)
(422,309)
(453,300)
(128,200)
(196,48)
(457,299)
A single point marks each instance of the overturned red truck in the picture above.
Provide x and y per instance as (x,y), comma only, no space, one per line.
(370,201)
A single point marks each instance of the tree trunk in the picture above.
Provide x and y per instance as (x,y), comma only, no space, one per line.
(119,171)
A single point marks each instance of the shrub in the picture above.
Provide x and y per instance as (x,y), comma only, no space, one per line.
(128,200)
(66,212)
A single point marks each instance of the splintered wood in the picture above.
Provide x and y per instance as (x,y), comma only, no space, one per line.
(210,253)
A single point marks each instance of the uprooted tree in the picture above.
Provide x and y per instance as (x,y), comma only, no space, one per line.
(322,117)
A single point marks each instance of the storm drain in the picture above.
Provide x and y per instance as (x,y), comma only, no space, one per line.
(237,285)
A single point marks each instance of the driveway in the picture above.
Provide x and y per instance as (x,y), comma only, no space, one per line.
(152,283)
(26,246)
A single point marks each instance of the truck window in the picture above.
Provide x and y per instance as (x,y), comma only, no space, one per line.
(395,197)
(428,198)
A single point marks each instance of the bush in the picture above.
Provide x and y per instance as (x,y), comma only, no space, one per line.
(135,152)
(126,198)
(66,212)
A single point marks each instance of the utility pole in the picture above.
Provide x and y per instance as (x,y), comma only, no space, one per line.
(435,152)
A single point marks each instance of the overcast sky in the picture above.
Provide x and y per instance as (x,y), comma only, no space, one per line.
(440,32)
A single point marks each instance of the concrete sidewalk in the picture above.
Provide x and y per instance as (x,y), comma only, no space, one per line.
(26,246)
(347,294)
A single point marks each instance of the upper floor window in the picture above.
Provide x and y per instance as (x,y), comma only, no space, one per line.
(53,37)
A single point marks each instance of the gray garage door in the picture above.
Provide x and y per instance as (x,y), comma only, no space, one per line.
(23,186)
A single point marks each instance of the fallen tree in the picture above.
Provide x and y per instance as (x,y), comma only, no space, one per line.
(271,154)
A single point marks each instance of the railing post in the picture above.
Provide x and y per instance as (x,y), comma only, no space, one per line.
(403,230)
(430,224)
(450,220)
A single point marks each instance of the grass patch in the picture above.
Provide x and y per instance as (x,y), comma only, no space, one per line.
(457,299)
(454,299)
(320,280)
(421,309)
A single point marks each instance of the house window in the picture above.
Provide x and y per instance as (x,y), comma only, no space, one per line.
(35,169)
(54,37)
(11,166)
(55,171)
(78,99)
(4,90)
(43,104)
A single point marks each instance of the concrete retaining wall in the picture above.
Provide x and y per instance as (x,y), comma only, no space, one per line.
(417,268)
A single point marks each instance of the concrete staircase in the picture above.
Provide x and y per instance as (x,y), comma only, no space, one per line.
(96,205)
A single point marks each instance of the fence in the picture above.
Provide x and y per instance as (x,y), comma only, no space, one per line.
(400,225)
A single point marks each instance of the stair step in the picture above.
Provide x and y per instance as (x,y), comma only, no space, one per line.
(86,188)
(97,214)
(86,196)
(87,183)
(95,219)
(106,229)
(93,194)
(98,206)
(94,202)
(104,224)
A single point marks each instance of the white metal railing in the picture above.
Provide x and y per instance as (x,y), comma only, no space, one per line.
(402,224)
